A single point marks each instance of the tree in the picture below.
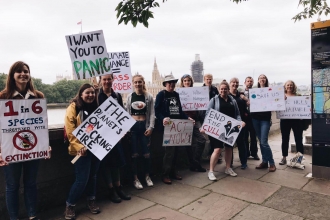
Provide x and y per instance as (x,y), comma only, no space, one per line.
(138,11)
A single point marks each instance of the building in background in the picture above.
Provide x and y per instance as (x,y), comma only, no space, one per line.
(197,70)
(60,77)
(156,84)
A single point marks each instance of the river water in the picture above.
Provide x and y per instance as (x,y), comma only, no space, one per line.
(56,116)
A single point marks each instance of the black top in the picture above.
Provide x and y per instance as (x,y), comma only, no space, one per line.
(102,97)
(173,104)
(241,105)
(227,107)
(213,91)
(138,104)
(262,116)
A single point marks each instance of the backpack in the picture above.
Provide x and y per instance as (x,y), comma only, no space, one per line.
(66,141)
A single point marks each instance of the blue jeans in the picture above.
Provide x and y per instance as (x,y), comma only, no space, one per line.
(12,175)
(86,169)
(262,131)
(140,146)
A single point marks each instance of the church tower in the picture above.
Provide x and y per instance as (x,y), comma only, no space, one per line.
(197,70)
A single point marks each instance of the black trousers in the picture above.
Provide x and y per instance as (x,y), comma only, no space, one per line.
(297,127)
(251,147)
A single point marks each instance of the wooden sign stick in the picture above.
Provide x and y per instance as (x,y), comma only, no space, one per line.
(75,159)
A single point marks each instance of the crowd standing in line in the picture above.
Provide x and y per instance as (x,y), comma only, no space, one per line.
(19,85)
(140,105)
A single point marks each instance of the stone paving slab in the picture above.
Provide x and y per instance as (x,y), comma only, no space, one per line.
(198,179)
(254,212)
(173,196)
(117,211)
(318,186)
(214,206)
(285,178)
(245,189)
(159,212)
(250,172)
(304,204)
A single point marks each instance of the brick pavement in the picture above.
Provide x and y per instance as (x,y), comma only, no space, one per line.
(254,194)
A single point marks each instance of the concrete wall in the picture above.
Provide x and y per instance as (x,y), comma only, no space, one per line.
(56,175)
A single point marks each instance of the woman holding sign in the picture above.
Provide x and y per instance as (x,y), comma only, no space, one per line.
(86,167)
(286,125)
(19,85)
(227,105)
(140,105)
(198,141)
(261,123)
(110,165)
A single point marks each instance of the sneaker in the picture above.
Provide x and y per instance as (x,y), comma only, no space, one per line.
(92,207)
(230,172)
(69,212)
(211,176)
(137,184)
(149,181)
(121,193)
(283,161)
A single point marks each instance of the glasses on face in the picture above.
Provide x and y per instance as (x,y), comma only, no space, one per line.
(22,71)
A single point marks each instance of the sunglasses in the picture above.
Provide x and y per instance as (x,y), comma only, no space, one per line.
(20,71)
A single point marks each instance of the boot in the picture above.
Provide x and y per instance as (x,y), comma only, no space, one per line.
(113,195)
(121,194)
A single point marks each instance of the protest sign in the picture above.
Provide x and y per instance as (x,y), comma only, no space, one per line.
(267,99)
(222,127)
(102,130)
(194,98)
(297,107)
(121,69)
(88,54)
(24,130)
(178,132)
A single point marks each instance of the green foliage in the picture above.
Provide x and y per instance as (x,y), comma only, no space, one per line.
(3,78)
(138,11)
(311,8)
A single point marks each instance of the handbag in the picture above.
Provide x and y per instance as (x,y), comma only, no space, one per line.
(297,161)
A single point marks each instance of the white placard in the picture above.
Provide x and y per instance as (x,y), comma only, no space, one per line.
(178,132)
(88,54)
(297,107)
(24,129)
(121,68)
(194,98)
(267,99)
(222,127)
(102,130)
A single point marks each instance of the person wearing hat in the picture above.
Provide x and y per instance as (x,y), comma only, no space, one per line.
(168,106)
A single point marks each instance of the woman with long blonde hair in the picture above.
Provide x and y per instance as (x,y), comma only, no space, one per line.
(140,105)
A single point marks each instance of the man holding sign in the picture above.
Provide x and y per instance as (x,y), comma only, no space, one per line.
(226,105)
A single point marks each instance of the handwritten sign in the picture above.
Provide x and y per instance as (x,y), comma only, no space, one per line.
(297,107)
(88,54)
(102,130)
(267,99)
(121,68)
(194,98)
(222,127)
(24,130)
(178,132)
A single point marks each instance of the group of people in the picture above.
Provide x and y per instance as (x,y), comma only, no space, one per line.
(141,106)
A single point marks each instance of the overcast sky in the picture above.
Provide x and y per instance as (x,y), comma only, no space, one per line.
(251,38)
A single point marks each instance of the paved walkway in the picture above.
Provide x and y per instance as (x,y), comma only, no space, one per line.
(254,194)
